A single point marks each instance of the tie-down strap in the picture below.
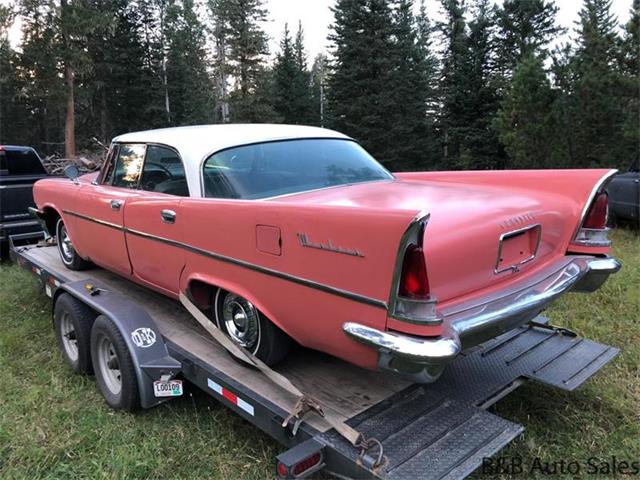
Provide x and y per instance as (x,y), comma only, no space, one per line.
(303,405)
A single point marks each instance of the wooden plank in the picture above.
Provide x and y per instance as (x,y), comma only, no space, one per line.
(339,386)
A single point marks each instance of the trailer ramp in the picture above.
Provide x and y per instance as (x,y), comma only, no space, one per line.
(442,430)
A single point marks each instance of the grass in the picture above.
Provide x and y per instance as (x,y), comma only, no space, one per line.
(55,425)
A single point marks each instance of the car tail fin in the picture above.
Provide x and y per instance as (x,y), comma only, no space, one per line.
(593,231)
(410,299)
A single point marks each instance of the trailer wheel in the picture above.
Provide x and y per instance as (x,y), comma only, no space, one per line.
(113,366)
(72,321)
(68,254)
(249,328)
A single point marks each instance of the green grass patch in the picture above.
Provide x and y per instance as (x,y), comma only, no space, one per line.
(54,424)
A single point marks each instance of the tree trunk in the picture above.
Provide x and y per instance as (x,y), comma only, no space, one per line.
(103,115)
(70,123)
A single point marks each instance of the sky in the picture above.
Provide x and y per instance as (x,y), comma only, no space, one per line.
(316,18)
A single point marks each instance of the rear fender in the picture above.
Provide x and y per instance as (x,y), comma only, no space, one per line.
(216,282)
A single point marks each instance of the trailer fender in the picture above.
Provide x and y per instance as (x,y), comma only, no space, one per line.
(146,345)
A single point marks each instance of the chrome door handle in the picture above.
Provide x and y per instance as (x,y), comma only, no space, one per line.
(168,216)
(116,204)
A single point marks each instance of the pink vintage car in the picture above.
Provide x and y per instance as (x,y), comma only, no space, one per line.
(287,232)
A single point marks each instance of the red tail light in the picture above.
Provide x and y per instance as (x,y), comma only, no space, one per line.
(413,281)
(307,464)
(597,215)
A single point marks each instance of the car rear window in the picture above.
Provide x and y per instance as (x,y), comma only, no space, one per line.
(270,169)
(20,162)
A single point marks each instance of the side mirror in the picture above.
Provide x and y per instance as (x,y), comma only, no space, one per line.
(71,171)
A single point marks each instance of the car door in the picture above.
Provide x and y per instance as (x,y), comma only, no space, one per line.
(101,206)
(153,220)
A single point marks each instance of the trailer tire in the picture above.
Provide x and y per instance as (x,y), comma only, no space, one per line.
(72,322)
(271,345)
(113,366)
(68,254)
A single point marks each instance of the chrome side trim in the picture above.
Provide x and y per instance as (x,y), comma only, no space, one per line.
(598,187)
(95,220)
(505,236)
(241,263)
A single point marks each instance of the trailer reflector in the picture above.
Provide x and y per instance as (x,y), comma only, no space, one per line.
(307,464)
(230,396)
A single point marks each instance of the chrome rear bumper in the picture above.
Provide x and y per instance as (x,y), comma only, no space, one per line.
(470,324)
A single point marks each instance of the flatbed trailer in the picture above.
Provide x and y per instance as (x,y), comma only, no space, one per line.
(437,431)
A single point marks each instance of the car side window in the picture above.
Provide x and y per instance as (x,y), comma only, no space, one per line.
(163,172)
(129,165)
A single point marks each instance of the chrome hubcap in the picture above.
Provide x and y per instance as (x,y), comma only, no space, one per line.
(241,320)
(69,339)
(65,244)
(109,365)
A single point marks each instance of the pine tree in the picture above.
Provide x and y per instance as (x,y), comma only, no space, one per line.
(631,86)
(189,86)
(524,121)
(76,21)
(598,113)
(122,90)
(291,96)
(454,88)
(409,88)
(481,148)
(38,77)
(424,39)
(359,91)
(242,44)
(527,122)
(526,27)
(8,88)
(431,142)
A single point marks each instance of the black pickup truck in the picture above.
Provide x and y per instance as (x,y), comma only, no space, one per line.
(20,167)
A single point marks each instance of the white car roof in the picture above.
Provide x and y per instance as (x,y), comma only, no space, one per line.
(195,143)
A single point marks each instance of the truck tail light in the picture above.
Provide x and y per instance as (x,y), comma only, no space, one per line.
(414,283)
(593,231)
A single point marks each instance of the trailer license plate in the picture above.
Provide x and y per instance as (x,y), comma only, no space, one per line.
(171,388)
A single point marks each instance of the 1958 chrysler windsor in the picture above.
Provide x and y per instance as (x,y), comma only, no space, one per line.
(287,232)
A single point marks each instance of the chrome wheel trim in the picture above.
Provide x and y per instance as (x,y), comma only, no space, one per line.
(241,320)
(67,252)
(109,365)
(69,339)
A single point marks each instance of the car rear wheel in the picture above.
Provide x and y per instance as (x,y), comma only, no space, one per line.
(68,253)
(248,328)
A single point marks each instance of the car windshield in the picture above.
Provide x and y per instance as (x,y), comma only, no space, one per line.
(291,166)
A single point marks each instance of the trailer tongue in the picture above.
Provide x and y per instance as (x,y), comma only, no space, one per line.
(441,430)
